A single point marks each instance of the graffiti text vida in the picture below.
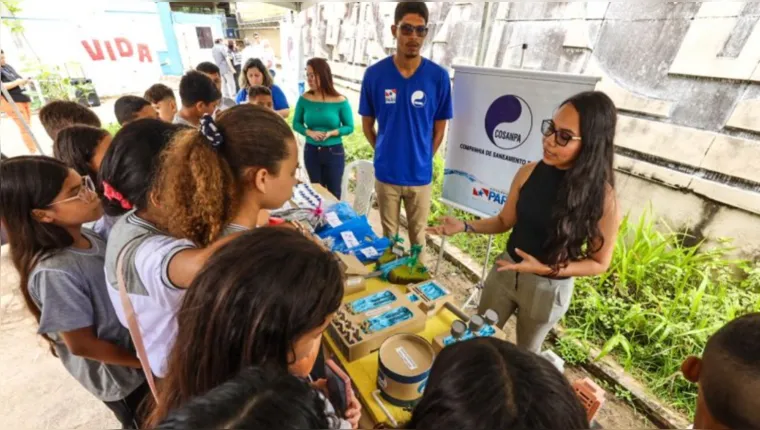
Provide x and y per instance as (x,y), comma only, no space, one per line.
(121,46)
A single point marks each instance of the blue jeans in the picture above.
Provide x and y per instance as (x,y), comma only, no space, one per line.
(325,165)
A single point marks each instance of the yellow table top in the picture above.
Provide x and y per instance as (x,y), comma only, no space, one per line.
(363,372)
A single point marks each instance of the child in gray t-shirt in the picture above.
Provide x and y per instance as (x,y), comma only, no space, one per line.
(63,281)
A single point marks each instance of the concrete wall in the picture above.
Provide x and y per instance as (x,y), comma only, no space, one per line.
(685,76)
(272,35)
(114,43)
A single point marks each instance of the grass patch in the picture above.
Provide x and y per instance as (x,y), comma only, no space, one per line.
(112,127)
(659,303)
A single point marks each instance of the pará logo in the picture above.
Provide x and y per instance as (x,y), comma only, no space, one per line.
(490,195)
(390,97)
(509,122)
(419,99)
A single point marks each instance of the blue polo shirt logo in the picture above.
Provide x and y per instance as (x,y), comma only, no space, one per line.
(419,99)
(390,97)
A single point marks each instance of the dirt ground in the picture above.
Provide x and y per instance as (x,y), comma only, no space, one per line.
(615,414)
(36,392)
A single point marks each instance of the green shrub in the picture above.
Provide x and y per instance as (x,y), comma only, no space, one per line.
(112,127)
(659,303)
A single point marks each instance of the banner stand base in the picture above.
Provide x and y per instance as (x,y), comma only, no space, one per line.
(477,289)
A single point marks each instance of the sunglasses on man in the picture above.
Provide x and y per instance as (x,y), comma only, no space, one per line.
(409,29)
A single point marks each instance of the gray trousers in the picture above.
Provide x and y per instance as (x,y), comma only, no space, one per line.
(539,302)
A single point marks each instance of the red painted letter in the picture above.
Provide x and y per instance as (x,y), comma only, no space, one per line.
(123,46)
(143,53)
(109,48)
(97,53)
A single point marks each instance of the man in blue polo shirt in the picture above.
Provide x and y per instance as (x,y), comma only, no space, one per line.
(410,98)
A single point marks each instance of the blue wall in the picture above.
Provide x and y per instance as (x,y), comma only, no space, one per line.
(171,62)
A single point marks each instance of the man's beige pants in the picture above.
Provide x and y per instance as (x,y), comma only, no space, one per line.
(416,202)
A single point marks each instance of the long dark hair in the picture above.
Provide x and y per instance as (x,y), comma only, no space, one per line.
(131,164)
(582,194)
(244,310)
(199,187)
(255,399)
(488,383)
(28,183)
(251,63)
(76,145)
(324,74)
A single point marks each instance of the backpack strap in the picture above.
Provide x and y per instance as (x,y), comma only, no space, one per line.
(131,316)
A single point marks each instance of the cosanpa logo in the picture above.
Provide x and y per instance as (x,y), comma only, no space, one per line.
(419,99)
(509,122)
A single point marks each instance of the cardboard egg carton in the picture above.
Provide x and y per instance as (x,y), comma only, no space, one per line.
(362,325)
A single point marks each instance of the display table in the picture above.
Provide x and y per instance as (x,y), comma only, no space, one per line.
(363,372)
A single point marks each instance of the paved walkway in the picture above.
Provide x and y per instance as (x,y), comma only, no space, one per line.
(36,392)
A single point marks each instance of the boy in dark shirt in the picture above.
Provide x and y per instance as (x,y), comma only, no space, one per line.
(132,108)
(728,375)
(199,97)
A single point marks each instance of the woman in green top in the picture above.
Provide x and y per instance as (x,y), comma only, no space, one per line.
(324,117)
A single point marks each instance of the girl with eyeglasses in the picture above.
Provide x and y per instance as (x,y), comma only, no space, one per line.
(62,280)
(563,216)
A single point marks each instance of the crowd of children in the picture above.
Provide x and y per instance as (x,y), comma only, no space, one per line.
(140,257)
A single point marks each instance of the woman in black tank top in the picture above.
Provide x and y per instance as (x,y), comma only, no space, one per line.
(563,216)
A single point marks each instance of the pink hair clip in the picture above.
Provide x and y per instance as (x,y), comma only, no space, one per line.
(111,194)
(319,211)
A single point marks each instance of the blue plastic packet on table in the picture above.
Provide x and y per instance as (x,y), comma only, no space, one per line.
(336,215)
(387,320)
(349,235)
(357,238)
(370,252)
